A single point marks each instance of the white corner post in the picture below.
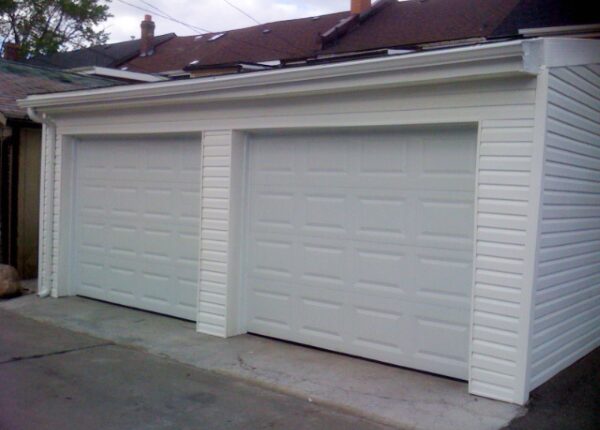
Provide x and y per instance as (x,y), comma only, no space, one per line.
(533,238)
(219,309)
(46,284)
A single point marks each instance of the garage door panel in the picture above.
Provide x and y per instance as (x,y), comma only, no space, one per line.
(136,212)
(93,199)
(274,210)
(383,216)
(361,242)
(272,258)
(92,277)
(394,166)
(125,161)
(445,219)
(187,291)
(270,307)
(121,281)
(440,338)
(319,315)
(274,163)
(379,325)
(443,275)
(122,240)
(323,263)
(382,270)
(92,235)
(124,201)
(325,212)
(187,251)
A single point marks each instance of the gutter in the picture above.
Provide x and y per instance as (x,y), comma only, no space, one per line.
(46,219)
(489,60)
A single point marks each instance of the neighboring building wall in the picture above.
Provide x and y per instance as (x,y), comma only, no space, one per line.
(28,202)
(566,323)
(505,111)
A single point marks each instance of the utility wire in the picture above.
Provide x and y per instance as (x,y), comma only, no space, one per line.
(162,15)
(283,39)
(243,12)
(205,30)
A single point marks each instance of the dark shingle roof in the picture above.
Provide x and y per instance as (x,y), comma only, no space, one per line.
(110,55)
(548,13)
(418,22)
(297,38)
(18,80)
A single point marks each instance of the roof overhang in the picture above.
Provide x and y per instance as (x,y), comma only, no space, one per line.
(523,57)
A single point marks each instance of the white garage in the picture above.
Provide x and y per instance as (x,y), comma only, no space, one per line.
(362,242)
(435,210)
(136,222)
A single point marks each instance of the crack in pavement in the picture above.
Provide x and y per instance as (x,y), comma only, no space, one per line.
(50,354)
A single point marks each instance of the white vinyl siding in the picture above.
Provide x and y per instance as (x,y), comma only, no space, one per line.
(504,108)
(216,178)
(503,195)
(566,322)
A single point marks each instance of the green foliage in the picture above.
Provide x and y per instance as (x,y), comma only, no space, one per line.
(49,26)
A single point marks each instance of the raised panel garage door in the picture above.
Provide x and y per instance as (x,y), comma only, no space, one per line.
(362,242)
(136,222)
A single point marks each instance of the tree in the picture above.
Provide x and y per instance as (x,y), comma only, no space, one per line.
(49,26)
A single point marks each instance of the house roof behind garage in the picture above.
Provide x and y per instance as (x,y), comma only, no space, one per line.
(297,38)
(109,55)
(18,80)
(389,24)
(419,22)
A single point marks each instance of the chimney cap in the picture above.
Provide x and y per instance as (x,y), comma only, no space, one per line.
(147,17)
(358,7)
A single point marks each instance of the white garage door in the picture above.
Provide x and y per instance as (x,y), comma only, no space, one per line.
(362,242)
(136,222)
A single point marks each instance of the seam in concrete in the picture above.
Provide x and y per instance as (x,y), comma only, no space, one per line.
(50,354)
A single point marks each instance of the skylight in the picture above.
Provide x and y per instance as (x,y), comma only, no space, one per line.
(216,36)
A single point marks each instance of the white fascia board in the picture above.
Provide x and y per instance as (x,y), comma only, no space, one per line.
(500,59)
(564,52)
(117,73)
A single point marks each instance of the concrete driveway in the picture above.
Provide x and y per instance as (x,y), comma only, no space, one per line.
(53,378)
(133,369)
(387,394)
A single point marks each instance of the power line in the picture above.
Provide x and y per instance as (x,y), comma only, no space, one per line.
(205,30)
(239,9)
(162,15)
(165,15)
(242,11)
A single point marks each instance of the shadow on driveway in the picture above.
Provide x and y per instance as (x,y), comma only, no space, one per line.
(569,401)
(53,378)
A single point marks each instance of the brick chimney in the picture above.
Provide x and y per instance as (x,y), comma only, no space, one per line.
(360,6)
(147,39)
(11,51)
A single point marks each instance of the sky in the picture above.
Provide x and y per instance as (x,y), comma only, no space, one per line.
(212,15)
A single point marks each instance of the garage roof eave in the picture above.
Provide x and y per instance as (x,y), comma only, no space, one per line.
(488,60)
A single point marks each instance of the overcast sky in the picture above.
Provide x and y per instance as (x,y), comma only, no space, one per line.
(214,15)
